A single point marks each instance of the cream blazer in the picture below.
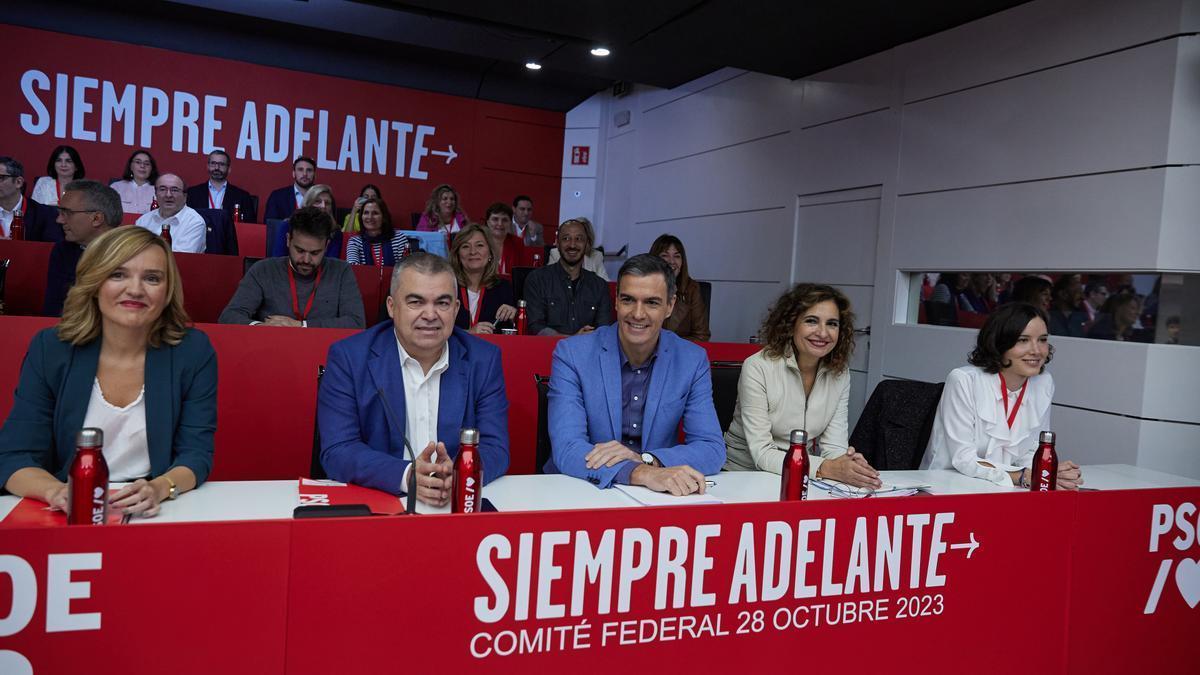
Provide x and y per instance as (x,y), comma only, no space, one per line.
(771,402)
(970,426)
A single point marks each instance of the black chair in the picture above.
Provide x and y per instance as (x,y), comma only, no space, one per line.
(706,296)
(414,220)
(519,274)
(247,263)
(316,471)
(543,428)
(4,263)
(895,425)
(254,209)
(725,376)
(220,237)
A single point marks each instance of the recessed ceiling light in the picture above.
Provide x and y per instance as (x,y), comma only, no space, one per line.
(600,51)
(533,65)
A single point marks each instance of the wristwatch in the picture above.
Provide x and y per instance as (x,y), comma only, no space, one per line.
(174,491)
(648,458)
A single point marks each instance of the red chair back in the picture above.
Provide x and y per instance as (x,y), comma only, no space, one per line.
(25,282)
(209,281)
(252,239)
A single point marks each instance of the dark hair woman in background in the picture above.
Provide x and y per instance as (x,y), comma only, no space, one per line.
(63,167)
(136,186)
(379,243)
(689,319)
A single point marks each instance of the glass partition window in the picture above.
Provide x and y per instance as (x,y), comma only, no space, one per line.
(1131,307)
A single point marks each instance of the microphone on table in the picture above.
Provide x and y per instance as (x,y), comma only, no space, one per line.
(411,506)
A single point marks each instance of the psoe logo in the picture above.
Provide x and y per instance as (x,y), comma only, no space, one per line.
(1183,522)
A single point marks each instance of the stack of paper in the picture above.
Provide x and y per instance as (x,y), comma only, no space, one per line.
(893,489)
(648,497)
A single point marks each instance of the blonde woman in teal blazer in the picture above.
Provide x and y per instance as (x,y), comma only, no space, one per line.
(124,344)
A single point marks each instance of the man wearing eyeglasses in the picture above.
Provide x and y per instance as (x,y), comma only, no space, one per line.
(218,193)
(12,183)
(188,231)
(86,210)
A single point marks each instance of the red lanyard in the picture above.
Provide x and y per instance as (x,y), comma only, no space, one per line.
(212,203)
(467,304)
(377,251)
(296,296)
(1004,397)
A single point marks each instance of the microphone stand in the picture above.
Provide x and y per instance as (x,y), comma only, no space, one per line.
(410,507)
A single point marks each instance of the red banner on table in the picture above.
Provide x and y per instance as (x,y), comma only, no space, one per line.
(108,98)
(932,585)
(333,493)
(1135,583)
(197,598)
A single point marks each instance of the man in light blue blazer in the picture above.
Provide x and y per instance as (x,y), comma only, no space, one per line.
(618,394)
(417,380)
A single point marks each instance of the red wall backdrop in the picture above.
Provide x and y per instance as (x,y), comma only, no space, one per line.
(63,89)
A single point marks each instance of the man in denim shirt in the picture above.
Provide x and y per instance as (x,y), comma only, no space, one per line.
(564,298)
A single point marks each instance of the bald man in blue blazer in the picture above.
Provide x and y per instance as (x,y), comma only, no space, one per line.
(618,394)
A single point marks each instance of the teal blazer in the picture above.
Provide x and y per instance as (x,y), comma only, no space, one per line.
(56,384)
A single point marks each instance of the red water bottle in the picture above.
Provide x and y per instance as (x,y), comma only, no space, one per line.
(237,213)
(166,234)
(87,484)
(1044,472)
(794,485)
(522,318)
(16,229)
(537,259)
(154,203)
(468,474)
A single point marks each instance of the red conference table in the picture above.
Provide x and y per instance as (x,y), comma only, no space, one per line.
(750,583)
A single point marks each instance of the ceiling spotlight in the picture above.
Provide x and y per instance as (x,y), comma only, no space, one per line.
(600,51)
(533,65)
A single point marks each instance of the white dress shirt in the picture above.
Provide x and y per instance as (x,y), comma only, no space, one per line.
(971,425)
(216,196)
(422,391)
(126,449)
(6,217)
(188,231)
(134,198)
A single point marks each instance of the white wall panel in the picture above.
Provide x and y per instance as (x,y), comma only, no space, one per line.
(1087,437)
(1108,113)
(579,199)
(741,178)
(754,246)
(726,114)
(836,242)
(1100,222)
(653,97)
(1172,383)
(615,222)
(846,154)
(860,303)
(738,308)
(1172,448)
(1184,140)
(853,89)
(1179,238)
(1036,35)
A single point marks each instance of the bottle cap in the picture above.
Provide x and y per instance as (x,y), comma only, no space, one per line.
(1047,437)
(468,437)
(90,437)
(521,303)
(799,437)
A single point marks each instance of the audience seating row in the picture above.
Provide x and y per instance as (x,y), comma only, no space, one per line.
(268,388)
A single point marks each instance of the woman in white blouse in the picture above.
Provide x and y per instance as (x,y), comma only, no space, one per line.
(136,186)
(800,380)
(63,167)
(991,411)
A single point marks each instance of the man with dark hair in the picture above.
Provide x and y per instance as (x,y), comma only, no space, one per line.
(417,380)
(189,233)
(219,193)
(287,199)
(303,288)
(523,224)
(86,210)
(12,199)
(564,298)
(623,429)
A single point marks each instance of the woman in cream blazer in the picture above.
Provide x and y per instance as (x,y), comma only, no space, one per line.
(800,380)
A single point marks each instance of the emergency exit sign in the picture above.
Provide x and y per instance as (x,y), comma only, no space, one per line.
(580,154)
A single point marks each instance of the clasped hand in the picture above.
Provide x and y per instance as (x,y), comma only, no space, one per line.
(852,469)
(435,475)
